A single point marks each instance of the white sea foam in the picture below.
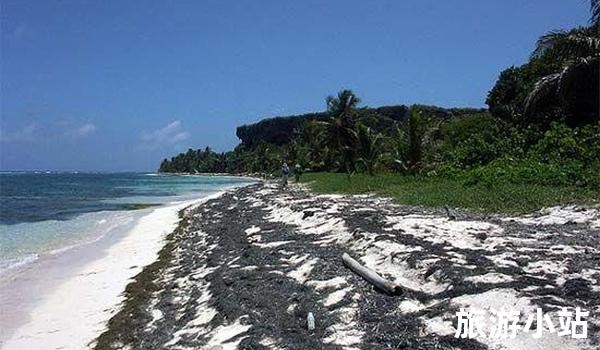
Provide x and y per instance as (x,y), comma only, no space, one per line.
(8,265)
(24,243)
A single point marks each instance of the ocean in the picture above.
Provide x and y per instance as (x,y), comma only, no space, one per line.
(42,213)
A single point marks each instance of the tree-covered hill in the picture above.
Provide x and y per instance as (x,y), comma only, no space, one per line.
(281,130)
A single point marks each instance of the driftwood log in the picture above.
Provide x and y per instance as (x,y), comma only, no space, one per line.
(371,276)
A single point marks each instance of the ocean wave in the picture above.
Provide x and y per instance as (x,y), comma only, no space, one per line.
(10,264)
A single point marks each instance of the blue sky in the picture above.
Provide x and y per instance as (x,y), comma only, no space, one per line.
(118,85)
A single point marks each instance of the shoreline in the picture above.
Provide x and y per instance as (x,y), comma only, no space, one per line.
(241,268)
(88,279)
(250,176)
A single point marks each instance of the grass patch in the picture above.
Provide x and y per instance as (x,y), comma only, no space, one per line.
(439,192)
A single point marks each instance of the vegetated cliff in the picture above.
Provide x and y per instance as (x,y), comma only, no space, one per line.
(280,130)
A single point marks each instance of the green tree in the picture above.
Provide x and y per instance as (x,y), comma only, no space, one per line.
(560,83)
(312,146)
(340,127)
(369,147)
(411,139)
(576,86)
(262,158)
(416,129)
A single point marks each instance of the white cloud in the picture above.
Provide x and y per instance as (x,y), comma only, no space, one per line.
(34,131)
(171,134)
(26,134)
(82,131)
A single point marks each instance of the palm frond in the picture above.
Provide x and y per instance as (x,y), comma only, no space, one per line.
(369,147)
(343,104)
(595,12)
(547,41)
(578,88)
(544,90)
(578,42)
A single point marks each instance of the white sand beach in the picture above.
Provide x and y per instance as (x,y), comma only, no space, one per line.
(69,305)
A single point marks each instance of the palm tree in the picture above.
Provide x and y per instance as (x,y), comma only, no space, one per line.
(416,137)
(576,86)
(339,127)
(342,105)
(411,140)
(312,145)
(369,147)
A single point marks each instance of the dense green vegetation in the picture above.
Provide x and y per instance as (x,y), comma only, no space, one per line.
(280,130)
(538,144)
(196,161)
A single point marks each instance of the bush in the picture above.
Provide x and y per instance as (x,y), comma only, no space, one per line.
(479,139)
(561,142)
(530,171)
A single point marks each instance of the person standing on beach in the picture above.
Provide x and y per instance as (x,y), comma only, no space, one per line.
(297,172)
(285,172)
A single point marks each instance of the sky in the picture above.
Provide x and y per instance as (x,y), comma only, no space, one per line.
(118,85)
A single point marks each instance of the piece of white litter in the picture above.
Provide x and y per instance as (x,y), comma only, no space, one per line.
(491,277)
(290,309)
(156,315)
(310,321)
(252,230)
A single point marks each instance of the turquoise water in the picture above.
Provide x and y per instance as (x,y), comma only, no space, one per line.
(41,213)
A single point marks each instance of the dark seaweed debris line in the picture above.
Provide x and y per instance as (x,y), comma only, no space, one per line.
(251,283)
